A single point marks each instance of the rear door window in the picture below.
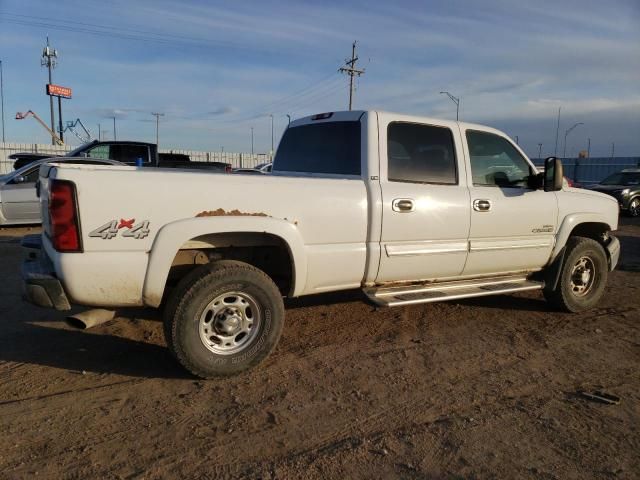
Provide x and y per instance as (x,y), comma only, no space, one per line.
(421,154)
(327,148)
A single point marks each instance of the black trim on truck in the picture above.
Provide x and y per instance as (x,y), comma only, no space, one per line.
(41,286)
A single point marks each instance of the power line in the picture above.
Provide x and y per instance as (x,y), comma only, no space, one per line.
(312,97)
(291,104)
(351,70)
(283,103)
(116,32)
(307,106)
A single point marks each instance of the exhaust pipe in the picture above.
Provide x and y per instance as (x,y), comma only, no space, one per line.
(90,318)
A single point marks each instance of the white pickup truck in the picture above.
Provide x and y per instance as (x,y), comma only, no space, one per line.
(409,209)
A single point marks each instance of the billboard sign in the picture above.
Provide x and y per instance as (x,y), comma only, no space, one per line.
(58,91)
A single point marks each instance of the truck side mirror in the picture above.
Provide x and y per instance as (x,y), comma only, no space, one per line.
(19,179)
(553,174)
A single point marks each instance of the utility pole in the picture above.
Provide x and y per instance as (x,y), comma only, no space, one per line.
(289,118)
(350,69)
(157,115)
(251,140)
(539,151)
(60,118)
(114,128)
(555,151)
(49,60)
(588,148)
(517,140)
(2,99)
(99,135)
(455,100)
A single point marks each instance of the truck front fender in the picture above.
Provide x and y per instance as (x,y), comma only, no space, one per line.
(569,224)
(174,235)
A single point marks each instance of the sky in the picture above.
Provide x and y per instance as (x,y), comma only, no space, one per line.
(218,69)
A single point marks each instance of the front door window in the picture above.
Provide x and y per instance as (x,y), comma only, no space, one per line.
(495,162)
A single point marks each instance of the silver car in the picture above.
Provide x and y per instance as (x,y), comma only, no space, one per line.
(19,203)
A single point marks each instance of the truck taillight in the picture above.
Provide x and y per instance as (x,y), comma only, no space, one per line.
(63,216)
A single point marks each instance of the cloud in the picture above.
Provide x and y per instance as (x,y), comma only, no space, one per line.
(222,111)
(217,69)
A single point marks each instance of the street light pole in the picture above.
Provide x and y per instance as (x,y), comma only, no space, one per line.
(567,132)
(114,128)
(157,115)
(455,100)
(289,118)
(539,151)
(99,133)
(271,115)
(555,151)
(251,140)
(2,99)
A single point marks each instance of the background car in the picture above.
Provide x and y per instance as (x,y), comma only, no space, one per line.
(624,186)
(262,168)
(19,202)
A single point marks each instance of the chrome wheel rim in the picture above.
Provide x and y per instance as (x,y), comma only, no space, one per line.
(634,207)
(583,276)
(229,323)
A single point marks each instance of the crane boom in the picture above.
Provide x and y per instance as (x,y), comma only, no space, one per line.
(22,116)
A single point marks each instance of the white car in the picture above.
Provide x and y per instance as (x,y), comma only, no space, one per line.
(19,202)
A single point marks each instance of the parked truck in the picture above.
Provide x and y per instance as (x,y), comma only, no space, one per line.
(127,152)
(408,209)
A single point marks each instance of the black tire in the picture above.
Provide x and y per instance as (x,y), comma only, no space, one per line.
(206,309)
(634,207)
(573,293)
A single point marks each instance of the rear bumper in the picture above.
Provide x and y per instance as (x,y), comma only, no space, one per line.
(40,284)
(613,250)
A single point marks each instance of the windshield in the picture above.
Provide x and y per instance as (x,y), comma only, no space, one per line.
(622,178)
(26,168)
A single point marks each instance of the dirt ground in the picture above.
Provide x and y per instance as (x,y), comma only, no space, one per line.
(484,388)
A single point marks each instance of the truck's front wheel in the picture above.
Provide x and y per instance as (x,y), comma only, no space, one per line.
(223,318)
(583,276)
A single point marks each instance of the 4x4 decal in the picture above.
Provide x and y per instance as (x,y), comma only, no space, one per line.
(129,229)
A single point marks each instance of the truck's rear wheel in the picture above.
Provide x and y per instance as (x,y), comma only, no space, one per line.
(583,276)
(223,318)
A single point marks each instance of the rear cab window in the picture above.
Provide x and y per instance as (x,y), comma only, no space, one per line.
(327,148)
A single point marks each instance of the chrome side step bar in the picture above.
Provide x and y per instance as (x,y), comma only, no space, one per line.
(453,290)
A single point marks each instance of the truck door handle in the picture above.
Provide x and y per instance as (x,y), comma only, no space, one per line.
(481,205)
(403,205)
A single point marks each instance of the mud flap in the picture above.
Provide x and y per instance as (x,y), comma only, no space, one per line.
(552,272)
